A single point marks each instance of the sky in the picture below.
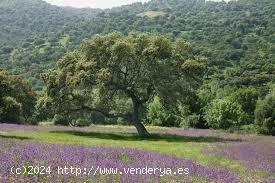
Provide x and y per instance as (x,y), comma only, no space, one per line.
(92,3)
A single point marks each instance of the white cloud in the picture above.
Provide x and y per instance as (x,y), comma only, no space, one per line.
(93,3)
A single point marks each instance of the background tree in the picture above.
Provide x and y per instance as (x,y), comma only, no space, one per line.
(17,99)
(265,114)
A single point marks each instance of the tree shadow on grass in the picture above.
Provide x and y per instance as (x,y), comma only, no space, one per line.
(154,137)
(14,137)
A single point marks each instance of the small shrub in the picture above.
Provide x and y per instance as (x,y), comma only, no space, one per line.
(32,121)
(82,122)
(60,120)
(97,118)
(122,121)
(223,114)
(251,128)
(158,116)
(170,121)
(190,121)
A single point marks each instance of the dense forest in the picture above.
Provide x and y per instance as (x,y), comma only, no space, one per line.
(215,63)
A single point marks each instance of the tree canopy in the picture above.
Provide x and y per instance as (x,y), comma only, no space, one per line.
(17,99)
(136,67)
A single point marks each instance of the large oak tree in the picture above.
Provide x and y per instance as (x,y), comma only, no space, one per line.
(138,67)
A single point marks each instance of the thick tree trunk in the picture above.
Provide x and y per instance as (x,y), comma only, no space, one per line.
(136,121)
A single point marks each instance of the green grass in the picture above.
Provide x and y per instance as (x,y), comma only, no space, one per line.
(180,146)
(189,147)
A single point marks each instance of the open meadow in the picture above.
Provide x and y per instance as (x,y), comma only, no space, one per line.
(107,154)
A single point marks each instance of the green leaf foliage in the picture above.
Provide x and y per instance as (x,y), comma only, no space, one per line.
(223,114)
(265,114)
(17,99)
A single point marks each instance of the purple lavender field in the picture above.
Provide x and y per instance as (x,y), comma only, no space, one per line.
(115,154)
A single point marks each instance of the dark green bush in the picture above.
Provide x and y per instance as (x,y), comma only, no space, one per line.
(224,114)
(10,110)
(60,120)
(192,120)
(82,122)
(157,115)
(265,114)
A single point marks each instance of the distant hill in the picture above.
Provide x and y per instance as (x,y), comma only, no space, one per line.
(22,19)
(237,37)
(32,35)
